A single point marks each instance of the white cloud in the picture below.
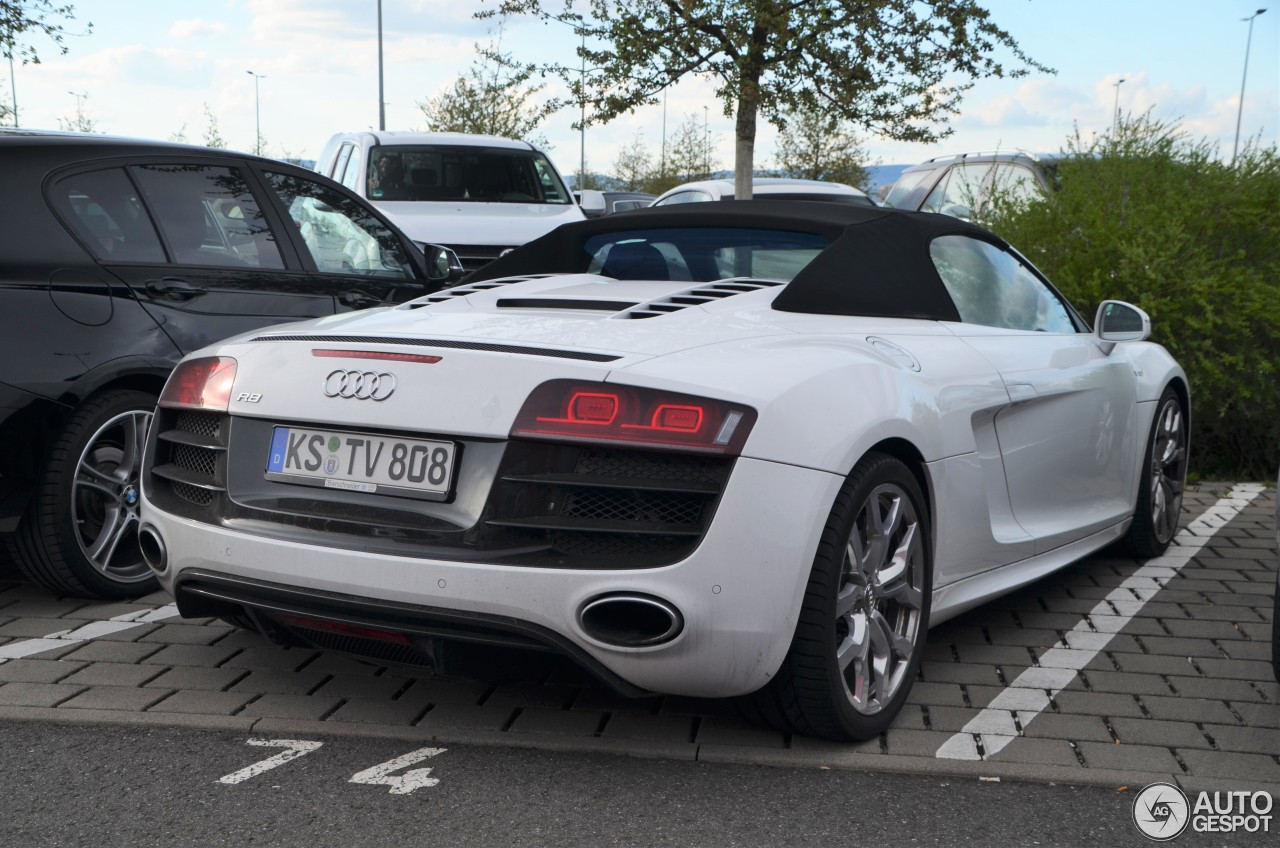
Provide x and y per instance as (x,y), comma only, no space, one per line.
(197,28)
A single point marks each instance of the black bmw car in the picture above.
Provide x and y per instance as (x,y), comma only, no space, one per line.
(119,256)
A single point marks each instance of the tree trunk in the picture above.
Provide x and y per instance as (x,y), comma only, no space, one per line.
(744,150)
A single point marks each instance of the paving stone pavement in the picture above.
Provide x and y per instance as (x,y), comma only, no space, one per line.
(1183,689)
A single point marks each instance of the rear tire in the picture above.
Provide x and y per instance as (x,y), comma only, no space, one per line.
(79,535)
(862,624)
(1164,477)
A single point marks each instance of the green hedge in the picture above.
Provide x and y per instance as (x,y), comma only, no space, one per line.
(1153,218)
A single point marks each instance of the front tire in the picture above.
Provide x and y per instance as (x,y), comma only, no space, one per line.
(862,624)
(1164,477)
(80,532)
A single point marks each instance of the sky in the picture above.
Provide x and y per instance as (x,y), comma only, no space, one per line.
(157,68)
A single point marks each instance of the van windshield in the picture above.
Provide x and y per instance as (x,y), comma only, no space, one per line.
(463,173)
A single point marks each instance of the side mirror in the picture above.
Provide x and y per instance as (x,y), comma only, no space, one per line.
(592,202)
(443,266)
(1118,321)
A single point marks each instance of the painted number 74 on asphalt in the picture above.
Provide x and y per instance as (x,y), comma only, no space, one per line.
(379,775)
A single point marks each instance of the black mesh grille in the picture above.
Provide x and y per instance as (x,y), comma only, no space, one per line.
(201,423)
(200,460)
(188,475)
(601,508)
(641,465)
(627,505)
(192,494)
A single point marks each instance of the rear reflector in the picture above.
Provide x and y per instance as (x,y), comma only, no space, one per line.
(344,629)
(566,410)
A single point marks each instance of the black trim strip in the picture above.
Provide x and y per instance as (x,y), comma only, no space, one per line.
(446,343)
(196,585)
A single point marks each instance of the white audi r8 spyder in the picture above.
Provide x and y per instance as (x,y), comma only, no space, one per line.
(752,451)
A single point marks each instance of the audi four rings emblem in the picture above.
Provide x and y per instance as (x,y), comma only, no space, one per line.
(361,385)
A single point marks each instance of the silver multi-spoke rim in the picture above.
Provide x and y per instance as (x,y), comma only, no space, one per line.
(1168,470)
(879,602)
(105,496)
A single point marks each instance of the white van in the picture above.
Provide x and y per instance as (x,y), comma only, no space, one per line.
(479,195)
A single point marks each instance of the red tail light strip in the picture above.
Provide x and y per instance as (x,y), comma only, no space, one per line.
(571,411)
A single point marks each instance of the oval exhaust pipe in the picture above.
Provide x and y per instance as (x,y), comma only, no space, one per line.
(630,620)
(154,553)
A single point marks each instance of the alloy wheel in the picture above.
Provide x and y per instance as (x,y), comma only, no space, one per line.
(1168,470)
(105,496)
(880,599)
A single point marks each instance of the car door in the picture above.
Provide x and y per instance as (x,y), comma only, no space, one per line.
(204,253)
(1067,437)
(342,241)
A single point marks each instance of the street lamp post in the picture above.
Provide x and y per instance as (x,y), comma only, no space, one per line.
(582,110)
(382,103)
(13,82)
(80,98)
(1240,111)
(257,113)
(1115,112)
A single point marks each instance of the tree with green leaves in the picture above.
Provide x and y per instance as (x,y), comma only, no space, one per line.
(492,98)
(17,19)
(633,168)
(1150,215)
(816,146)
(212,135)
(892,67)
(690,155)
(80,121)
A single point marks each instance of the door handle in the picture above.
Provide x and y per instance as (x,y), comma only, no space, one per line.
(174,287)
(359,300)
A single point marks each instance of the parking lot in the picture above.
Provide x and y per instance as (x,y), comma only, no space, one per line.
(1112,672)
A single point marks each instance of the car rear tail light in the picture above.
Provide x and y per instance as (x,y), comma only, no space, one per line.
(201,384)
(566,410)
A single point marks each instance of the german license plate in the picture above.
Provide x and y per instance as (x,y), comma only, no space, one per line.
(361,462)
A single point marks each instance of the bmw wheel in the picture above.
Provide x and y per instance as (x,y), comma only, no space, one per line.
(1164,476)
(80,533)
(862,624)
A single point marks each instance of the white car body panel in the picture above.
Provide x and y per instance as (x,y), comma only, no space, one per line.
(1029,446)
(442,222)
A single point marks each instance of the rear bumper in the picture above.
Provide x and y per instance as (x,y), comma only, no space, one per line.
(739,592)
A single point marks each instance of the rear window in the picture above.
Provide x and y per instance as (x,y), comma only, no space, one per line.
(467,174)
(701,254)
(905,185)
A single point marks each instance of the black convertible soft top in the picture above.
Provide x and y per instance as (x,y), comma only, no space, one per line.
(876,263)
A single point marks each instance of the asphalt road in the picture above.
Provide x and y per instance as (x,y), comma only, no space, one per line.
(80,786)
(121,724)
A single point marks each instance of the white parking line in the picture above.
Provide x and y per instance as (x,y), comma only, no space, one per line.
(86,632)
(1029,694)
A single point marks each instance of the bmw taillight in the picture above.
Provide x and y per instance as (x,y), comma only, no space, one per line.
(203,383)
(567,410)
